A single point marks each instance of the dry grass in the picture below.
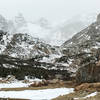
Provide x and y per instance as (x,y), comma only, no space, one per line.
(79,95)
(97,97)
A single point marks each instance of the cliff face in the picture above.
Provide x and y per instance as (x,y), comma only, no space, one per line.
(88,73)
(84,49)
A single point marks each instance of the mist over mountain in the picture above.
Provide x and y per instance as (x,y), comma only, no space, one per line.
(45,46)
(50,48)
(52,33)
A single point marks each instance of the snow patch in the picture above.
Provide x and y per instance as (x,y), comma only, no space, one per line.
(91,95)
(13,85)
(46,94)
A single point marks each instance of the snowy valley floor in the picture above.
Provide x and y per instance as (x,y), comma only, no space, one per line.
(46,94)
(21,90)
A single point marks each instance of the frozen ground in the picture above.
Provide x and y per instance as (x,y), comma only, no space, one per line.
(18,84)
(46,94)
(13,85)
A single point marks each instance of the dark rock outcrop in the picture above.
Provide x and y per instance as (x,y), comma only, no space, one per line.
(21,68)
(88,73)
(83,48)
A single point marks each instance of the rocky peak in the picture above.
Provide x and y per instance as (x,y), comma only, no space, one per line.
(24,46)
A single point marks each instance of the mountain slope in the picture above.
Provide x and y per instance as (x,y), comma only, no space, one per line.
(24,46)
(82,48)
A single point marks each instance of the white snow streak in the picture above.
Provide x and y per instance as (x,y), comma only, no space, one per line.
(46,94)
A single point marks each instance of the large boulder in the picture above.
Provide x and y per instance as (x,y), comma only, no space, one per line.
(88,73)
(88,86)
(39,83)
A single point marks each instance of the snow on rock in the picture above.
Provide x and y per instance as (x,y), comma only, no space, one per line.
(50,58)
(33,80)
(46,94)
(25,46)
(91,95)
(4,40)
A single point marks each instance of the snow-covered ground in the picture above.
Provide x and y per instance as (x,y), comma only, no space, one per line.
(18,84)
(46,94)
(13,85)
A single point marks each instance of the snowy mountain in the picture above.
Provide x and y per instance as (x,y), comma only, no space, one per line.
(54,34)
(26,40)
(24,46)
(66,29)
(82,49)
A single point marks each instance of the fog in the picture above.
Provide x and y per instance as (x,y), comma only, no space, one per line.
(53,10)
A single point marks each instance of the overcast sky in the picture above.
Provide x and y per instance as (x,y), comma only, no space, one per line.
(53,10)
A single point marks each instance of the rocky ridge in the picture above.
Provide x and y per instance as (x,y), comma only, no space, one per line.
(82,49)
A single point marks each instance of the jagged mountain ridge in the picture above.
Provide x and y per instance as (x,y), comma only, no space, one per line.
(68,28)
(24,46)
(89,34)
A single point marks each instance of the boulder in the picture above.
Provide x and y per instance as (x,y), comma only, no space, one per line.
(39,83)
(82,86)
(10,78)
(88,86)
(36,84)
(54,81)
(45,82)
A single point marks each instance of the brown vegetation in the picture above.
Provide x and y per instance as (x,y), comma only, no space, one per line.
(88,87)
(79,95)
